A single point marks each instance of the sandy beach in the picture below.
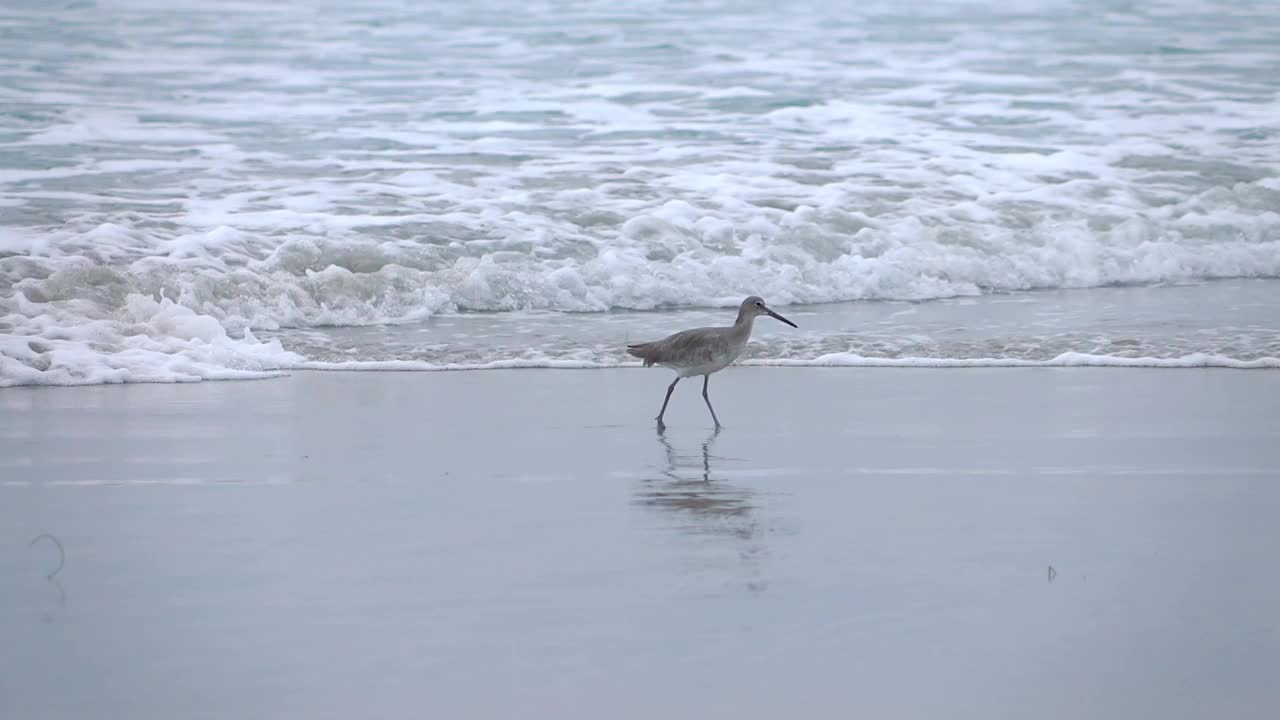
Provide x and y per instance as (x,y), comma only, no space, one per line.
(1053,543)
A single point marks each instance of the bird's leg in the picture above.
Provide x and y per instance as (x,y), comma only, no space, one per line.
(666,400)
(706,379)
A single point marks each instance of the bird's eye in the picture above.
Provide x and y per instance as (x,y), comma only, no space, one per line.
(759,304)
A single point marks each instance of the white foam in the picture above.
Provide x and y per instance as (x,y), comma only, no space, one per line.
(423,366)
(839,360)
(106,126)
(1069,359)
(148,341)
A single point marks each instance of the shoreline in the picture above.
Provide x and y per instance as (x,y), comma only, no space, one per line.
(1197,361)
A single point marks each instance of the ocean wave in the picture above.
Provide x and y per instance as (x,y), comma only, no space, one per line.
(677,255)
(172,194)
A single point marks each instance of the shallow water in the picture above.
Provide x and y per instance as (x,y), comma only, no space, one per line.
(176,173)
(854,542)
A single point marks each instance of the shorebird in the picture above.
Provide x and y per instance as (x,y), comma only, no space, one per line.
(702,351)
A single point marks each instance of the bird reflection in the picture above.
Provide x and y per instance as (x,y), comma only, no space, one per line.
(51,577)
(703,504)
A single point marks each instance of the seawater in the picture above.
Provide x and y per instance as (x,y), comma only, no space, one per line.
(222,190)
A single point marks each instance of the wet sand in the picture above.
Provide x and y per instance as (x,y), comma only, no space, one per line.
(1050,543)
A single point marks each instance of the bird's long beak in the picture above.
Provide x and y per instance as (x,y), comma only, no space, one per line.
(776,316)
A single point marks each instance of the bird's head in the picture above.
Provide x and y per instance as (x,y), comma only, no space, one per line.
(754,305)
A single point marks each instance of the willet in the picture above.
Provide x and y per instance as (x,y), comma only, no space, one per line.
(702,351)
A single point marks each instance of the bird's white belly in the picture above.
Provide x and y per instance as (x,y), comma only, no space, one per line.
(715,364)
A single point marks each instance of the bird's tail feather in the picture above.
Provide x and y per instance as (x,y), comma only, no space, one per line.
(642,351)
